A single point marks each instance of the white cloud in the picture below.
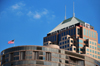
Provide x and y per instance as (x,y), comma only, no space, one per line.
(17,6)
(37,16)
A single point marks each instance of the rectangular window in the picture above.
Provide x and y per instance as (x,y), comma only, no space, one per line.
(87,49)
(87,32)
(92,34)
(80,45)
(78,31)
(36,55)
(66,32)
(71,32)
(81,41)
(55,37)
(11,57)
(84,30)
(84,37)
(95,35)
(74,31)
(48,56)
(22,55)
(3,59)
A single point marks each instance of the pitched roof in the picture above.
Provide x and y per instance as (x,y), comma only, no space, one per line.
(66,23)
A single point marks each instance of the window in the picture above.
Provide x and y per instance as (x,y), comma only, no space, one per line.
(22,55)
(11,57)
(92,34)
(87,32)
(90,42)
(95,44)
(48,56)
(88,53)
(36,55)
(78,31)
(65,42)
(93,51)
(95,48)
(74,31)
(87,49)
(71,32)
(80,45)
(92,47)
(65,37)
(81,41)
(55,37)
(64,33)
(95,35)
(84,37)
(95,56)
(98,52)
(90,50)
(68,45)
(84,30)
(98,57)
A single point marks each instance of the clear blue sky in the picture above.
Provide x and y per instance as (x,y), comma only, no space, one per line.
(28,21)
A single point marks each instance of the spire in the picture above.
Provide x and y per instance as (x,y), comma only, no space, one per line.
(73,10)
(65,12)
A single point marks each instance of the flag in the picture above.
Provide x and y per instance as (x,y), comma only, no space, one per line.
(11,42)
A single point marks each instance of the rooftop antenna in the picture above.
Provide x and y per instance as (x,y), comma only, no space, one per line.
(65,12)
(73,10)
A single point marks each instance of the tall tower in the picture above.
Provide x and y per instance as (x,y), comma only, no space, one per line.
(75,35)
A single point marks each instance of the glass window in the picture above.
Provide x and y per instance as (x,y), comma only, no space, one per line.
(95,56)
(98,57)
(55,37)
(64,33)
(90,46)
(98,46)
(95,44)
(84,30)
(84,37)
(22,55)
(88,53)
(90,42)
(90,50)
(81,41)
(68,45)
(65,37)
(98,52)
(95,48)
(87,49)
(71,32)
(93,51)
(87,32)
(65,42)
(94,34)
(80,45)
(74,31)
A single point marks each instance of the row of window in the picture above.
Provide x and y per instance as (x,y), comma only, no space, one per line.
(65,46)
(89,33)
(52,38)
(64,42)
(93,47)
(94,56)
(93,43)
(93,51)
(80,45)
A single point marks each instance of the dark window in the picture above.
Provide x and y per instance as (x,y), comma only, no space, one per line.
(55,37)
(39,48)
(3,59)
(36,54)
(74,31)
(11,57)
(41,58)
(22,55)
(69,32)
(64,33)
(48,56)
(66,61)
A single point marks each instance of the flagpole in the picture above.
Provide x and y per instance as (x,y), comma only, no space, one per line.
(14,42)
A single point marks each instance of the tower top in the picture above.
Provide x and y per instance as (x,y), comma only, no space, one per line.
(73,10)
(65,12)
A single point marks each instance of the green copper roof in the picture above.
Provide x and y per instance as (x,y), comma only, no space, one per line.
(67,20)
(79,20)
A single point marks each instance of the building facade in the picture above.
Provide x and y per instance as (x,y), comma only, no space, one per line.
(75,35)
(49,55)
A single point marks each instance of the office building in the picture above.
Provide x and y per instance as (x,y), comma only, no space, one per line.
(75,35)
(49,55)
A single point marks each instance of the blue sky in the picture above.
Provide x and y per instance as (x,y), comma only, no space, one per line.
(28,21)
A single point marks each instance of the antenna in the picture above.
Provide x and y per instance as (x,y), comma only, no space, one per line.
(73,10)
(65,12)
